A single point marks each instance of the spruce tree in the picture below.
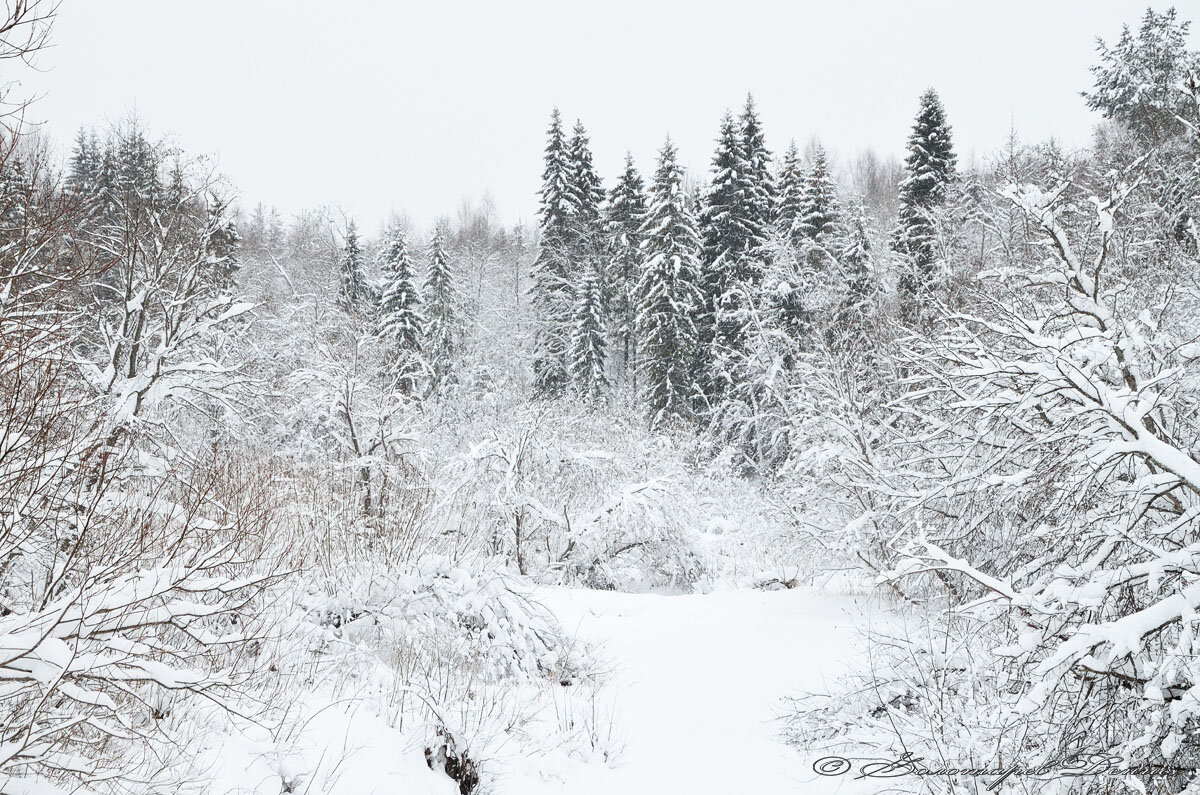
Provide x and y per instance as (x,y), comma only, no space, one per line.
(735,224)
(625,213)
(84,163)
(761,197)
(668,295)
(929,170)
(550,294)
(586,197)
(440,311)
(223,245)
(820,220)
(400,319)
(790,196)
(587,339)
(859,273)
(353,281)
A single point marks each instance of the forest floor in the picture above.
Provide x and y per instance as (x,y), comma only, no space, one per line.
(694,690)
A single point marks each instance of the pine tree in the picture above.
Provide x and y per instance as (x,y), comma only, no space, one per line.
(790,196)
(668,295)
(626,210)
(550,293)
(353,282)
(929,170)
(587,340)
(440,311)
(820,220)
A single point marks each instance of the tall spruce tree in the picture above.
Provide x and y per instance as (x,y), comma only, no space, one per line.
(859,273)
(586,197)
(732,238)
(789,196)
(820,220)
(929,171)
(668,295)
(625,212)
(400,319)
(440,312)
(588,344)
(761,198)
(550,293)
(353,285)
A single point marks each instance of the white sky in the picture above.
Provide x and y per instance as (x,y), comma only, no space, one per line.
(413,105)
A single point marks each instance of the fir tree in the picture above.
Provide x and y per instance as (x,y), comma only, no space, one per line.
(820,219)
(353,282)
(550,293)
(625,212)
(929,170)
(587,340)
(440,311)
(789,196)
(668,295)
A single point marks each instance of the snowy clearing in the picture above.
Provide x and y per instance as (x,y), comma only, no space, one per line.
(698,680)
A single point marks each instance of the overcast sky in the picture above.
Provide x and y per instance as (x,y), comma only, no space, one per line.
(413,105)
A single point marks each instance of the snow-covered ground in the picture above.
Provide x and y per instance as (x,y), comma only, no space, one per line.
(694,690)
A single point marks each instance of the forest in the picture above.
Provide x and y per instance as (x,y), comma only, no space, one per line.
(703,481)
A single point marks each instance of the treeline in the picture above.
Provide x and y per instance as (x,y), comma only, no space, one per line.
(667,292)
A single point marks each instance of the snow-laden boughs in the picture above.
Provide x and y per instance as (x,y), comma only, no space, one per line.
(588,343)
(1047,482)
(929,170)
(669,295)
(441,330)
(624,213)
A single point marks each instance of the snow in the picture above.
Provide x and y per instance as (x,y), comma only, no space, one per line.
(695,688)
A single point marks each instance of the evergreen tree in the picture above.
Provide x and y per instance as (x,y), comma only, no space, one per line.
(440,310)
(353,281)
(400,320)
(929,170)
(668,295)
(761,196)
(84,163)
(820,220)
(587,339)
(1139,81)
(859,274)
(729,233)
(790,196)
(222,245)
(550,293)
(586,197)
(625,212)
